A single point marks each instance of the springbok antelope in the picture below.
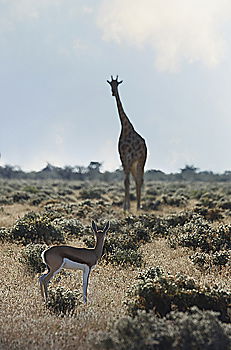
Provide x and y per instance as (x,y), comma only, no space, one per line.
(66,257)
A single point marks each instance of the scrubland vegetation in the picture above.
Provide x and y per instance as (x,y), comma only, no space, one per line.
(163,281)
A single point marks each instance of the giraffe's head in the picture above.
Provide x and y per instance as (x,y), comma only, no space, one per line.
(114,85)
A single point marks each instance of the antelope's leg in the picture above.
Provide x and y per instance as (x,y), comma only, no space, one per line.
(86,273)
(41,283)
(45,279)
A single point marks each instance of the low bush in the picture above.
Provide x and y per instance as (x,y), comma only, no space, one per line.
(191,234)
(138,230)
(5,234)
(213,214)
(221,258)
(5,200)
(99,208)
(198,233)
(36,228)
(192,330)
(124,257)
(213,244)
(225,204)
(63,301)
(204,260)
(56,209)
(31,257)
(151,204)
(119,249)
(91,193)
(201,259)
(70,227)
(163,293)
(174,200)
(20,197)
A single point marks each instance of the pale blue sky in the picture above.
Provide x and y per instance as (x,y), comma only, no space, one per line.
(174,57)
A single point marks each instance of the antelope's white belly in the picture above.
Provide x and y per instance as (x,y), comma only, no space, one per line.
(73,265)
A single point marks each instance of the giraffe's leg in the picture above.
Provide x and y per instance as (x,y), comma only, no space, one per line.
(138,176)
(138,194)
(127,191)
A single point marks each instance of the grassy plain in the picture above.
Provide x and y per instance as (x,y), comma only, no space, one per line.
(26,323)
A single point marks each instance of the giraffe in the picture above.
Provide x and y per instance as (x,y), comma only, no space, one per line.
(132,149)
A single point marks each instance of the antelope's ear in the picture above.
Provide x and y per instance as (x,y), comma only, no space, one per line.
(93,226)
(106,227)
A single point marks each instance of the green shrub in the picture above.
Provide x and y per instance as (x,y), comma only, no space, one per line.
(221,258)
(64,192)
(225,204)
(179,219)
(192,234)
(151,204)
(121,241)
(174,200)
(36,228)
(192,330)
(201,259)
(119,249)
(5,200)
(55,209)
(63,301)
(31,189)
(71,227)
(94,210)
(20,197)
(151,192)
(158,226)
(124,257)
(139,232)
(198,233)
(205,260)
(92,193)
(5,234)
(212,214)
(162,292)
(31,257)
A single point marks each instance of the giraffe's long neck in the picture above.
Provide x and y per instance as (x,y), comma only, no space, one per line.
(125,122)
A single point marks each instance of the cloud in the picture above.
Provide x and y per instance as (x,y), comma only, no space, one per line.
(56,25)
(20,10)
(178,31)
(14,12)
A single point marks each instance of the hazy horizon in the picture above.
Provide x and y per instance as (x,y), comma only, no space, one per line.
(174,58)
(103,169)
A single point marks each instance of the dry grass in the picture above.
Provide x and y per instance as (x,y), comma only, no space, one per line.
(25,323)
(174,261)
(10,213)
